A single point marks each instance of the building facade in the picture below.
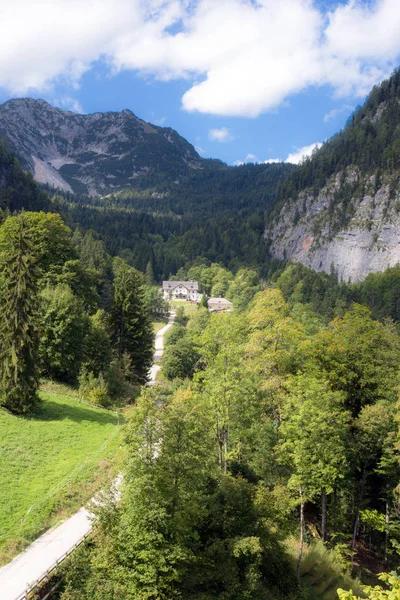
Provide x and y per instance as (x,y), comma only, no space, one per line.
(181,290)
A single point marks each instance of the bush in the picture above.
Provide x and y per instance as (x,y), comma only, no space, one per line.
(181,318)
(94,389)
(180,361)
(176,333)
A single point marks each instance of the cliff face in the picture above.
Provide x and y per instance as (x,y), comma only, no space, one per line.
(94,154)
(309,231)
(341,207)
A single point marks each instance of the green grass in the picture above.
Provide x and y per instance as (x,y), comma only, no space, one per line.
(51,463)
(188,306)
(158,326)
(323,571)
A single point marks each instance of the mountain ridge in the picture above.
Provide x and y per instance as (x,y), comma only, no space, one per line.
(93,154)
(340,209)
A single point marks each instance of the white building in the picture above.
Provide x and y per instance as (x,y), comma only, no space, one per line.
(181,290)
(219,304)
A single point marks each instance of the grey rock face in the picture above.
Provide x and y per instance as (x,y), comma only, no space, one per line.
(93,154)
(307,231)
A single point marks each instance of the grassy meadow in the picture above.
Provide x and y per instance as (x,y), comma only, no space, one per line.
(51,463)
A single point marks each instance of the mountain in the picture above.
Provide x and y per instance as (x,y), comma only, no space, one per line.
(341,208)
(93,154)
(17,188)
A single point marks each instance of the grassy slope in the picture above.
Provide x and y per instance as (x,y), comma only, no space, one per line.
(157,326)
(53,462)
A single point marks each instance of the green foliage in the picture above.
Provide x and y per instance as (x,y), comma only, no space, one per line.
(64,327)
(131,322)
(203,302)
(313,434)
(175,334)
(360,358)
(181,318)
(180,360)
(182,529)
(97,347)
(19,338)
(242,289)
(323,571)
(391,591)
(156,305)
(18,190)
(94,389)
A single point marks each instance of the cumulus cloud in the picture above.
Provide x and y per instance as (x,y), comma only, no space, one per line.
(239,57)
(271,161)
(299,155)
(220,135)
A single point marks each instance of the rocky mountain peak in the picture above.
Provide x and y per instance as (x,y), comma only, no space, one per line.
(95,153)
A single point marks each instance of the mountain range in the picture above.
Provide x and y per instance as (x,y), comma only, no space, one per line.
(338,210)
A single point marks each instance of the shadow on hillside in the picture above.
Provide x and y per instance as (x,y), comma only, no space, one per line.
(53,411)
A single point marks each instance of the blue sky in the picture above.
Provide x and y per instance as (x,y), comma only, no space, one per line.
(242,80)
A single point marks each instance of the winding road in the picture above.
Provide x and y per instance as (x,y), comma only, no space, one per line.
(30,567)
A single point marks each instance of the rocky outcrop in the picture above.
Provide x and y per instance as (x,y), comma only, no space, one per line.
(94,154)
(357,234)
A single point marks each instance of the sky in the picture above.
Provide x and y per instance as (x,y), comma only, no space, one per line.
(242,80)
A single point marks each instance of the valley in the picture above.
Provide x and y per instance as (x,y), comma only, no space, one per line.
(262,461)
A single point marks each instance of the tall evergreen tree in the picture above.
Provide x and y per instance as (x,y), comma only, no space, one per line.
(132,327)
(19,339)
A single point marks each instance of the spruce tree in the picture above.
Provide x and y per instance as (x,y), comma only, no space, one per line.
(19,338)
(149,278)
(132,326)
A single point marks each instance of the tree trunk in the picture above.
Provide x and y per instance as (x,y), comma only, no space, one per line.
(301,533)
(323,515)
(357,516)
(220,452)
(225,449)
(387,533)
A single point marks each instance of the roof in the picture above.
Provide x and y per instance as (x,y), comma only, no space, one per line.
(219,301)
(171,285)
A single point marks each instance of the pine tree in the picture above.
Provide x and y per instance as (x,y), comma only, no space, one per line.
(19,339)
(132,327)
(149,278)
(203,302)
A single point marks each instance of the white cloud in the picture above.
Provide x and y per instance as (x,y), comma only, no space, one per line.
(199,150)
(220,135)
(239,57)
(271,161)
(69,103)
(250,158)
(300,154)
(332,114)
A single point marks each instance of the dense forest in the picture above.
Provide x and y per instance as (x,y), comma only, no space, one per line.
(70,313)
(217,214)
(265,466)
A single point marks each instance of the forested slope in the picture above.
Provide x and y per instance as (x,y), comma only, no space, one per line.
(341,207)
